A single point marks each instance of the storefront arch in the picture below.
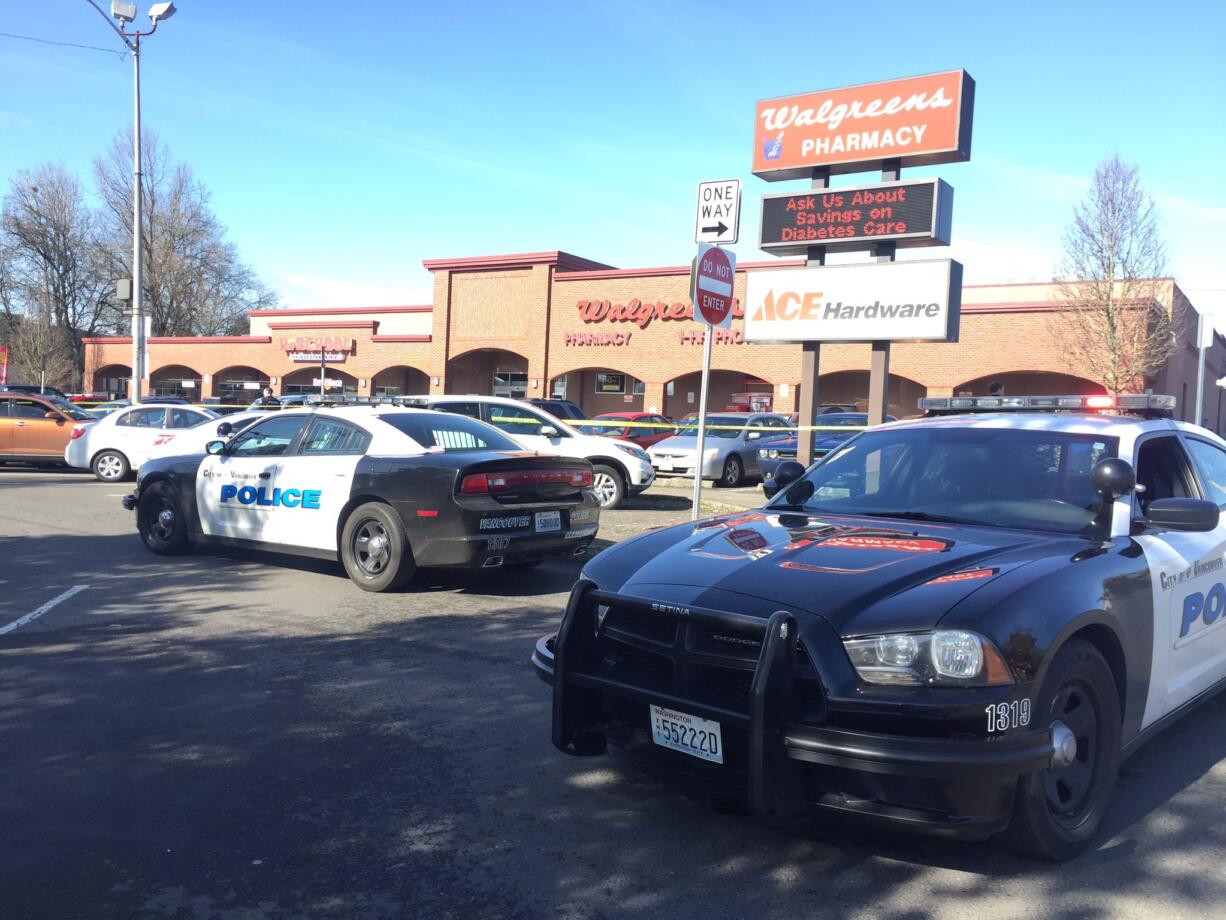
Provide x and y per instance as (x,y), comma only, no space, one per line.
(489,372)
(600,389)
(1031,383)
(850,388)
(400,380)
(239,385)
(729,391)
(176,380)
(304,381)
(113,380)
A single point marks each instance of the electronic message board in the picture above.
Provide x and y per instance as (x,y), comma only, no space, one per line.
(917,213)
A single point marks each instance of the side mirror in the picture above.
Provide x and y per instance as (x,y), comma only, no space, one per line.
(1194,515)
(548,431)
(225,429)
(1112,478)
(786,473)
(215,447)
(753,435)
(54,416)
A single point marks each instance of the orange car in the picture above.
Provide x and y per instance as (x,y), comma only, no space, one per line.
(36,429)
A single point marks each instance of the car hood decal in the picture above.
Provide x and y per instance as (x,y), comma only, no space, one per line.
(862,575)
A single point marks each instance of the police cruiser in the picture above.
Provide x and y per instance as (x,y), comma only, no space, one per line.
(386,489)
(959,623)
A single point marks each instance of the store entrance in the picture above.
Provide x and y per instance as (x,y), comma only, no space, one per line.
(489,372)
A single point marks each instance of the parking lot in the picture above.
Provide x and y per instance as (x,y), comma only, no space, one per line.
(249,736)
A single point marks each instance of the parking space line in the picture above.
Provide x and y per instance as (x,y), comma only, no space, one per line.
(39,611)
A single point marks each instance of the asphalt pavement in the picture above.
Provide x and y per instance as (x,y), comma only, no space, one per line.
(250,737)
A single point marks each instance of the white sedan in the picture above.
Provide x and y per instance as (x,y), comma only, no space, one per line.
(178,441)
(120,442)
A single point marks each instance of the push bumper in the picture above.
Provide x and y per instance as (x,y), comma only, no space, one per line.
(961,786)
(131,500)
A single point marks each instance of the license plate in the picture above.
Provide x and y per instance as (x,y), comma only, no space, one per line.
(689,734)
(665,465)
(547,521)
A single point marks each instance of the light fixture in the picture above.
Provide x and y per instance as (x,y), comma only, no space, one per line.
(124,12)
(160,11)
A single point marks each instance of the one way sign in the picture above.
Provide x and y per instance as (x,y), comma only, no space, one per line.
(718,218)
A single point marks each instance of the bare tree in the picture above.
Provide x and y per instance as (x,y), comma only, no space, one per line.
(52,278)
(1113,326)
(194,281)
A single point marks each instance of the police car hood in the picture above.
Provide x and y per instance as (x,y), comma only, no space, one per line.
(862,575)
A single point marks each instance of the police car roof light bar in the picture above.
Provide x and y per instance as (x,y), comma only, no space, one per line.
(1147,404)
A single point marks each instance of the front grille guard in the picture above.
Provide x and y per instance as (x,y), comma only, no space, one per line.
(776,783)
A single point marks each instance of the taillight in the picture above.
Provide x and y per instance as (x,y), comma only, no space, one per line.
(77,431)
(486,483)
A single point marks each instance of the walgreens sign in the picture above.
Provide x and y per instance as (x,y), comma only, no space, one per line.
(900,301)
(919,121)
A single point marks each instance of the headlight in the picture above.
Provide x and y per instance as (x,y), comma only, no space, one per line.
(772,454)
(711,454)
(636,452)
(947,657)
(763,452)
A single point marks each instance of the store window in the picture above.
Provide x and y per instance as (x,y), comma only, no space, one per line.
(511,384)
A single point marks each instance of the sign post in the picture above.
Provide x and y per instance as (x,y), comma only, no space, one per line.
(4,364)
(711,284)
(1204,340)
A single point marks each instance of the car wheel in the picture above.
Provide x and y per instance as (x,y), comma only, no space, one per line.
(733,472)
(1057,811)
(375,550)
(607,486)
(159,520)
(110,466)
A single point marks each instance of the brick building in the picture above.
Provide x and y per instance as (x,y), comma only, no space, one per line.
(549,323)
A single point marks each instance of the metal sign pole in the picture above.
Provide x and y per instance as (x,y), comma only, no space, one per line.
(323,371)
(708,336)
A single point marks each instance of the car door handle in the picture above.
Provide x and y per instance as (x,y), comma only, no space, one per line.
(266,475)
(22,424)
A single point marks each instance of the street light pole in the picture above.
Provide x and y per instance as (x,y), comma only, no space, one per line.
(125,13)
(138,312)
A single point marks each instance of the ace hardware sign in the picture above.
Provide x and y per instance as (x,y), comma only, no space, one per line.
(916,121)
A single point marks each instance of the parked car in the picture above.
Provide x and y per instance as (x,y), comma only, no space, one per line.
(559,408)
(120,442)
(33,388)
(36,429)
(641,428)
(770,457)
(618,467)
(730,446)
(384,490)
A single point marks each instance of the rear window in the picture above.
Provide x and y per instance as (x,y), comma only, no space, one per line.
(449,432)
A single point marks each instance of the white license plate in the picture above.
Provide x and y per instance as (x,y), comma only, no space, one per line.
(547,521)
(665,465)
(689,734)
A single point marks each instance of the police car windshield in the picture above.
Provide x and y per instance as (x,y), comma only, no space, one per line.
(449,431)
(997,477)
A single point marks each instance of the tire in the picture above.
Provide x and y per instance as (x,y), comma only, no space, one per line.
(159,520)
(733,474)
(110,466)
(608,486)
(375,550)
(1057,811)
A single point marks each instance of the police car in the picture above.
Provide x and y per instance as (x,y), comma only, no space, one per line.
(959,623)
(385,489)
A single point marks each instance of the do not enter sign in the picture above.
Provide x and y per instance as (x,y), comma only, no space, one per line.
(711,285)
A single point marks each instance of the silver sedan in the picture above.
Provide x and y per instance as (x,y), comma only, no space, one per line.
(730,446)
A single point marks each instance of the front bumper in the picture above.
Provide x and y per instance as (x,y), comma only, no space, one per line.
(646,476)
(131,500)
(786,768)
(684,467)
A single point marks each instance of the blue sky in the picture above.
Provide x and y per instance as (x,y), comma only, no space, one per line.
(344,143)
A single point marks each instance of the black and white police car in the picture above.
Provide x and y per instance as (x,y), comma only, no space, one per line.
(959,623)
(385,489)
